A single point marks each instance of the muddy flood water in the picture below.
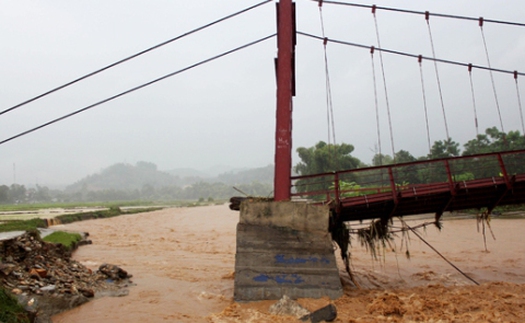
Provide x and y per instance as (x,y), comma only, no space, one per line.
(182,262)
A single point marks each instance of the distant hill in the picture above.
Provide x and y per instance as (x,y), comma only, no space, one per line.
(206,173)
(188,172)
(126,177)
(129,177)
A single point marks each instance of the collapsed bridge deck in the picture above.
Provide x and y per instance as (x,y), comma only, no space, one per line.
(430,186)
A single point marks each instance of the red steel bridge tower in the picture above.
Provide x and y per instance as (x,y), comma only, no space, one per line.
(285,91)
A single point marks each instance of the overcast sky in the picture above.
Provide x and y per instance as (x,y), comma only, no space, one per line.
(223,113)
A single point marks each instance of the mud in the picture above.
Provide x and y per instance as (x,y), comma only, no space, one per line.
(183,260)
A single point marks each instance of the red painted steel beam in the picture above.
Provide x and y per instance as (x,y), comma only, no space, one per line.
(283,135)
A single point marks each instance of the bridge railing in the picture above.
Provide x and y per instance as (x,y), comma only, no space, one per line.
(420,176)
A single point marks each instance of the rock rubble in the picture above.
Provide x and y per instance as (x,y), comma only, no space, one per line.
(47,281)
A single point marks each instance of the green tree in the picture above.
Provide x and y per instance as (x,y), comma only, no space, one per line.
(42,194)
(480,145)
(444,149)
(515,140)
(4,194)
(494,141)
(17,193)
(380,160)
(324,158)
(406,174)
(404,156)
(437,171)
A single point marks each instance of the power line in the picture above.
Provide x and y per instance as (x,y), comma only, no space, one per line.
(423,13)
(395,52)
(133,56)
(138,88)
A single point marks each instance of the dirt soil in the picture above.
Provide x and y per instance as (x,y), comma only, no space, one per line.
(182,260)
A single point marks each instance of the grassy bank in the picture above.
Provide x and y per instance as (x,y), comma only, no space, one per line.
(10,310)
(32,224)
(73,205)
(39,206)
(22,225)
(67,239)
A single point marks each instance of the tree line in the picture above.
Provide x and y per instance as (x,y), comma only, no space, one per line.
(19,194)
(327,158)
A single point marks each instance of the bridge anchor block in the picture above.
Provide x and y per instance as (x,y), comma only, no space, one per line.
(284,248)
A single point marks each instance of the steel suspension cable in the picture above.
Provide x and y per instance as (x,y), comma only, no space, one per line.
(329,105)
(420,61)
(437,74)
(519,24)
(138,88)
(491,74)
(519,101)
(473,99)
(400,53)
(435,250)
(376,106)
(385,86)
(133,56)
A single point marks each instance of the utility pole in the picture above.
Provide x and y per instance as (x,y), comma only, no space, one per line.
(285,91)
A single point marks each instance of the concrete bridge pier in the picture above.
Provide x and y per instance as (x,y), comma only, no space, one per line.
(284,248)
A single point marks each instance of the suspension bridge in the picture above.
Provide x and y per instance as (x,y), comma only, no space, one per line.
(428,186)
(269,260)
(287,37)
(278,250)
